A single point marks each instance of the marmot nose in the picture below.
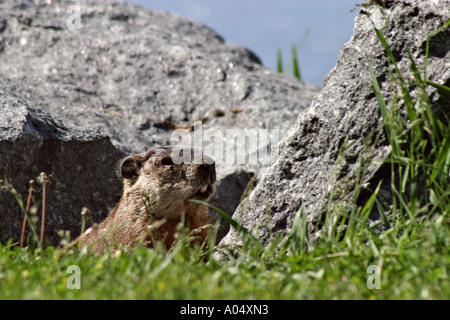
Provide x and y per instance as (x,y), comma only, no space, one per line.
(209,170)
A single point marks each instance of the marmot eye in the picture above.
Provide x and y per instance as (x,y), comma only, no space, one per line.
(167,161)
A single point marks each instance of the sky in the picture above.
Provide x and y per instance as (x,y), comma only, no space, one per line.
(263,26)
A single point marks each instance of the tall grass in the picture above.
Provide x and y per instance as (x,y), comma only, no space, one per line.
(420,160)
(293,66)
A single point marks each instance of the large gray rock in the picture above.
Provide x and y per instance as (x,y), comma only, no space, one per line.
(81,165)
(135,75)
(319,157)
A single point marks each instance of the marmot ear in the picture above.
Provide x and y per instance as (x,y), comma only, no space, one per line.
(129,169)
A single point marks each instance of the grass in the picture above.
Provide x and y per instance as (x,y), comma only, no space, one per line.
(412,267)
(293,67)
(411,255)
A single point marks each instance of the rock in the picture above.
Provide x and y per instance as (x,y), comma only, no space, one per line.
(320,156)
(81,165)
(136,75)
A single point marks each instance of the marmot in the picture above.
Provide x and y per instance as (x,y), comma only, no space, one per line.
(157,190)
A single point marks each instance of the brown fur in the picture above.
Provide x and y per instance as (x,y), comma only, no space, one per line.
(157,192)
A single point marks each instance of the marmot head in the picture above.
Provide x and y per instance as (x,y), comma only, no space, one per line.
(170,177)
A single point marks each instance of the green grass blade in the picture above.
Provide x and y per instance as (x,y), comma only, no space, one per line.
(384,112)
(279,61)
(387,48)
(295,64)
(442,28)
(440,87)
(367,209)
(239,227)
(427,47)
(298,238)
